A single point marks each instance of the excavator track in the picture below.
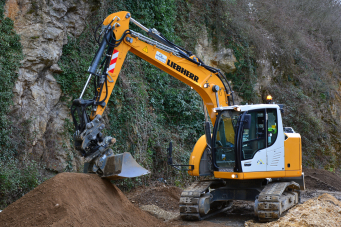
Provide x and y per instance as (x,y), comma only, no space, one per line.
(275,199)
(195,201)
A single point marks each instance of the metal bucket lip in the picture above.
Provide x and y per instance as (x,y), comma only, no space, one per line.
(130,168)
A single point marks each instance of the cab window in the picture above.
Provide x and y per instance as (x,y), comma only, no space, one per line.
(254,138)
(225,139)
(272,126)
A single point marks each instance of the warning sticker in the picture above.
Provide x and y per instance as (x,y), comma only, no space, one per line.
(145,49)
(161,57)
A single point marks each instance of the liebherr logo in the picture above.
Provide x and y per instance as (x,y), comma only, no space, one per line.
(182,70)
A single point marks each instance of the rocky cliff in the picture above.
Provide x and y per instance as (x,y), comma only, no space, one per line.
(44,27)
(294,58)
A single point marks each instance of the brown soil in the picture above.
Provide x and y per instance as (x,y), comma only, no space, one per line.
(75,199)
(165,197)
(317,182)
(322,180)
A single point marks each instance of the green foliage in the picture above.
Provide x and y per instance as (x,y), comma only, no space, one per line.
(16,177)
(10,56)
(75,61)
(244,77)
(148,108)
(298,63)
(159,14)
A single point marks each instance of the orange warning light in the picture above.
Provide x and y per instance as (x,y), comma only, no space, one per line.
(269,98)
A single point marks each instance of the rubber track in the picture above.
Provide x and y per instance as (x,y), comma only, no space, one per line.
(275,199)
(189,201)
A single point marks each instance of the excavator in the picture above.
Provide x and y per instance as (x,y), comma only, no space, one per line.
(249,154)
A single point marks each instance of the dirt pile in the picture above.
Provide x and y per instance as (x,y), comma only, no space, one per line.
(165,197)
(320,179)
(75,199)
(324,210)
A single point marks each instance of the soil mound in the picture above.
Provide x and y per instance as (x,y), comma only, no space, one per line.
(324,210)
(165,197)
(75,199)
(322,180)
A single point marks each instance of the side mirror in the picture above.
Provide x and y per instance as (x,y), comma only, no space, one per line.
(208,134)
(247,121)
(169,149)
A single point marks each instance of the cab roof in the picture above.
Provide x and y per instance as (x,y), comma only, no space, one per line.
(244,108)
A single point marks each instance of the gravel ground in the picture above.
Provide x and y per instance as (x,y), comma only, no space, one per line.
(162,199)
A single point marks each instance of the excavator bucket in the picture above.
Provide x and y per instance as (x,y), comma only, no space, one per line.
(114,167)
(129,167)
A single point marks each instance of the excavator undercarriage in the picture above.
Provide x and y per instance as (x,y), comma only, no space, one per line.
(204,199)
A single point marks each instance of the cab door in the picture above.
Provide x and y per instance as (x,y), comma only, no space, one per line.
(275,141)
(253,150)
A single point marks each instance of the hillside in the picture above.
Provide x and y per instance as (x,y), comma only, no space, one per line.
(289,49)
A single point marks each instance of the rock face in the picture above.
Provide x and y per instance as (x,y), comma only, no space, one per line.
(44,27)
(223,58)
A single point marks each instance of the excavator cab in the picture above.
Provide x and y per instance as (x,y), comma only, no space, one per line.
(244,137)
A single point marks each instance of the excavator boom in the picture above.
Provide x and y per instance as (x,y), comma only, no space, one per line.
(207,81)
(117,40)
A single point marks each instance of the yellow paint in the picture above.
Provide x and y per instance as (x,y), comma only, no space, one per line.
(145,49)
(293,152)
(265,174)
(137,47)
(228,175)
(250,175)
(196,154)
(257,175)
(296,173)
(123,50)
(229,131)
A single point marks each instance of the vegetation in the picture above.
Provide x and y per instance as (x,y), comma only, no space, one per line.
(148,108)
(296,62)
(297,47)
(16,177)
(289,49)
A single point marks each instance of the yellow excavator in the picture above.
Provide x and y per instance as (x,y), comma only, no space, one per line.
(249,155)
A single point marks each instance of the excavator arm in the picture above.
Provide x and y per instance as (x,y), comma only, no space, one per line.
(169,58)
(117,40)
